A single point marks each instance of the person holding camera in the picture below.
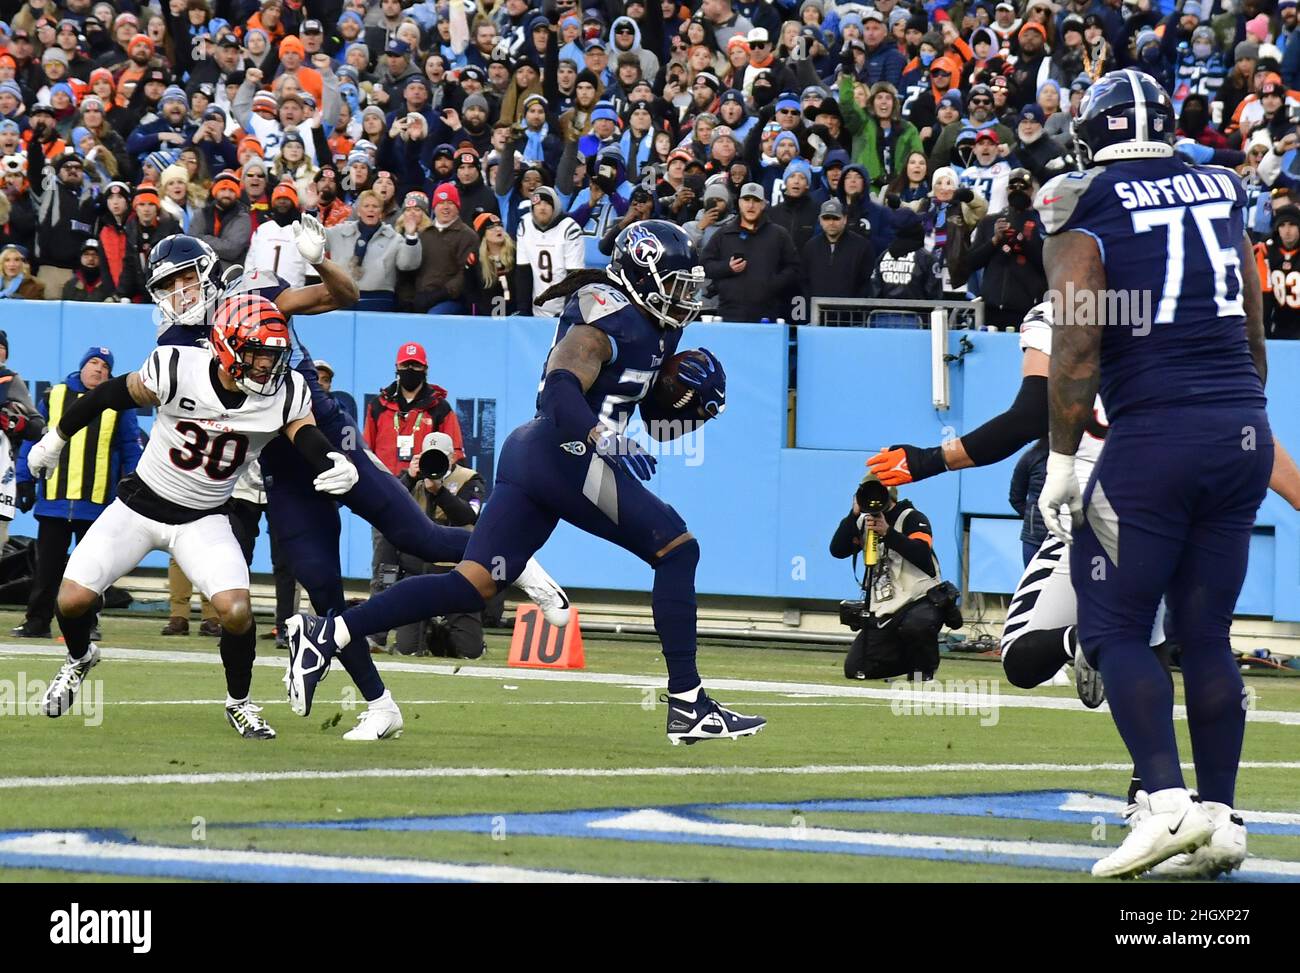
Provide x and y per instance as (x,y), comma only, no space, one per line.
(452,495)
(1008,247)
(905,601)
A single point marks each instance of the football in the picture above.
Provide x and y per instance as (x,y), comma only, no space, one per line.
(669,392)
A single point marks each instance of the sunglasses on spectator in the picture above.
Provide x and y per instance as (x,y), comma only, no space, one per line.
(937,73)
(831,217)
(788,111)
(981,101)
(624,29)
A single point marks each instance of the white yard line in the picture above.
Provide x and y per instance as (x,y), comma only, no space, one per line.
(980,694)
(371,773)
(64,848)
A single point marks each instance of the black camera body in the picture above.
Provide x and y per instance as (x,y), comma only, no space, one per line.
(434,464)
(854,614)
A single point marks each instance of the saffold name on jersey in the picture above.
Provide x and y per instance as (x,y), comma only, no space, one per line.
(1189,187)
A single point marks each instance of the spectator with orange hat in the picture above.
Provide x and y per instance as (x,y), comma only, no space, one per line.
(224,223)
(268,19)
(139,55)
(292,56)
(273,247)
(148,225)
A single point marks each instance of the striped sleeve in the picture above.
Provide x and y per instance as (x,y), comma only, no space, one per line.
(297,398)
(159,372)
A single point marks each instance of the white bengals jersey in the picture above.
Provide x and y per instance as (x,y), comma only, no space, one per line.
(1036,333)
(553,254)
(205,436)
(274,250)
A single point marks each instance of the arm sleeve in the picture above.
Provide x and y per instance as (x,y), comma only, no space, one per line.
(315,448)
(847,540)
(562,401)
(1021,424)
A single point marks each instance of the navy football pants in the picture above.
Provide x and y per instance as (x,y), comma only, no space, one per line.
(1169,511)
(539,483)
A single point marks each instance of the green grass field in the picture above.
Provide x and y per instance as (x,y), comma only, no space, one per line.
(511,752)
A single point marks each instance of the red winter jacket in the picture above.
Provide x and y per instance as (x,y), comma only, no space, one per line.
(390,418)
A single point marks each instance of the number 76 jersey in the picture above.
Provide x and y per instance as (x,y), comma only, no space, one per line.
(205,436)
(1170,236)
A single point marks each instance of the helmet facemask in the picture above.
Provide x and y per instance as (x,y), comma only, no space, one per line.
(260,369)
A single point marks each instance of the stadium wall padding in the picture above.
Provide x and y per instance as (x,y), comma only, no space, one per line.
(763,511)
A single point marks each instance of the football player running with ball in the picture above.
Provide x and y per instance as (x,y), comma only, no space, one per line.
(216,410)
(619,327)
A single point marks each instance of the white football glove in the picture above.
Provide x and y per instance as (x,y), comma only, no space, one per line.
(310,237)
(338,479)
(43,457)
(1061,489)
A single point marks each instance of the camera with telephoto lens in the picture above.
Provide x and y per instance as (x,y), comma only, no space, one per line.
(434,464)
(872,497)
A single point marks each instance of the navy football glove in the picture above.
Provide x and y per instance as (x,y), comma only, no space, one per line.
(709,382)
(620,451)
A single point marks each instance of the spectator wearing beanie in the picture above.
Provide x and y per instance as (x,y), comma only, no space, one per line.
(447,247)
(373,252)
(535,138)
(587,92)
(488,280)
(110,229)
(1240,80)
(224,222)
(798,210)
(170,130)
(146,227)
(475,195)
(90,281)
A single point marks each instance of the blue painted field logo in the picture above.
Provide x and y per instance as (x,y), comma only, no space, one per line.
(73,927)
(950,697)
(23,697)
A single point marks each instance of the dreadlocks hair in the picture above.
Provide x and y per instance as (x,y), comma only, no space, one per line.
(571,283)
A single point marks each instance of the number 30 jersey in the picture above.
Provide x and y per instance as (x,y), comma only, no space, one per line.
(204,436)
(1170,235)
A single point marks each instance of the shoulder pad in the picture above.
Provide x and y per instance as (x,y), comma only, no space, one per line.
(596,301)
(1057,200)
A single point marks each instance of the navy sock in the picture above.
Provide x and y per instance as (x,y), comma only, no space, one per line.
(360,666)
(673,603)
(1216,717)
(412,600)
(1141,698)
(237,654)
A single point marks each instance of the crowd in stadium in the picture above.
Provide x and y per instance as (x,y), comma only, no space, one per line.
(465,156)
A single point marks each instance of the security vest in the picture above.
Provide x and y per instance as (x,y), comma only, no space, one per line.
(86,463)
(897,582)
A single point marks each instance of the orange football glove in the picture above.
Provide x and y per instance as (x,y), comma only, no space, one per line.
(905,463)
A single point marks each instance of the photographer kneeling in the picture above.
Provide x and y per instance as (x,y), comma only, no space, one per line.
(452,495)
(905,601)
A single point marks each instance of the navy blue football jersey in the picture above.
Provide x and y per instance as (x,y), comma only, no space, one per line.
(640,347)
(1168,233)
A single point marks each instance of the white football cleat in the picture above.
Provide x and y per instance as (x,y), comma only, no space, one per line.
(382,720)
(1224,852)
(63,690)
(545,593)
(1161,825)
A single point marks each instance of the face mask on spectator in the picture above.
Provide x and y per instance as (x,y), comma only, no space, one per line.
(410,378)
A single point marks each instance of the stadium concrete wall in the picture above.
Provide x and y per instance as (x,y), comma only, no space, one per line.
(763,510)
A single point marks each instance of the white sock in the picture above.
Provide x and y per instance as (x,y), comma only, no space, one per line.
(231,701)
(341,634)
(690,696)
(382,702)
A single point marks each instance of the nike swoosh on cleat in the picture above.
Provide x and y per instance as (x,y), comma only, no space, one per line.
(1174,829)
(690,714)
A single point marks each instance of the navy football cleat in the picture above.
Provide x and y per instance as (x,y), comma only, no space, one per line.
(707,719)
(311,646)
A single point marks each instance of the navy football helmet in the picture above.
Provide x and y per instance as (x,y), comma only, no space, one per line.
(656,263)
(1126,115)
(170,256)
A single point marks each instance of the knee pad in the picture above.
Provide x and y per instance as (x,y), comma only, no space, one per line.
(681,556)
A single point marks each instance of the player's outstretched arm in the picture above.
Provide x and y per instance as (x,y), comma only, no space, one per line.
(1252,297)
(336,290)
(1024,421)
(122,393)
(335,473)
